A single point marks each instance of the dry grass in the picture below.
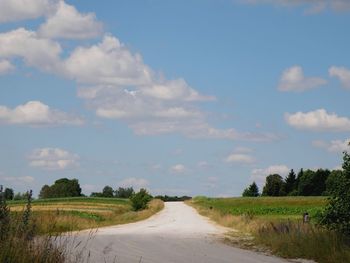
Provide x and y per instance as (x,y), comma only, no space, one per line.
(283,235)
(61,218)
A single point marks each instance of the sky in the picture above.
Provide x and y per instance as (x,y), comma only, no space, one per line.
(196,97)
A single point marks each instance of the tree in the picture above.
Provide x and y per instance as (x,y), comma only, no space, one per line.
(107,191)
(61,188)
(273,185)
(305,187)
(290,182)
(45,192)
(140,200)
(333,180)
(337,213)
(124,192)
(8,193)
(252,191)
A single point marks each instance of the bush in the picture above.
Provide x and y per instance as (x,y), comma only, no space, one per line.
(140,200)
(337,214)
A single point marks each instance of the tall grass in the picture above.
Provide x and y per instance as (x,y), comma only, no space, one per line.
(18,241)
(281,231)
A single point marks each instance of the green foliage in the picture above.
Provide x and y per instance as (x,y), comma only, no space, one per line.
(61,188)
(251,191)
(107,191)
(4,216)
(337,214)
(290,184)
(21,196)
(280,207)
(140,200)
(273,186)
(8,193)
(122,192)
(166,198)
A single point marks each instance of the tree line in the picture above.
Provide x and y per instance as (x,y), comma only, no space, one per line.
(306,183)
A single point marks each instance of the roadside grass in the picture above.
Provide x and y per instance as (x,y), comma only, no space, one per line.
(32,232)
(72,214)
(275,224)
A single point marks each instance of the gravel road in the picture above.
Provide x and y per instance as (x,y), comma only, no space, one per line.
(176,234)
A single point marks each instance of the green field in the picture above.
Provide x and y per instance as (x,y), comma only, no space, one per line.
(69,214)
(281,207)
(275,225)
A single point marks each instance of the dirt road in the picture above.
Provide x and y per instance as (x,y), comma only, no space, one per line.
(176,234)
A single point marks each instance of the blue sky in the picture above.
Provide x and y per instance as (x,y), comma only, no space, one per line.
(181,97)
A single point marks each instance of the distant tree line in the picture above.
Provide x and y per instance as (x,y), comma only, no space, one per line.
(120,192)
(166,198)
(61,188)
(305,183)
(8,195)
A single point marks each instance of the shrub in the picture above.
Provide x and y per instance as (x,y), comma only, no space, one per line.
(337,214)
(140,200)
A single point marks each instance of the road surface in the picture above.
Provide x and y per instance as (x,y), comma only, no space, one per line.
(176,234)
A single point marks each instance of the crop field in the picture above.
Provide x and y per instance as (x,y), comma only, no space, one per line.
(275,225)
(69,214)
(264,207)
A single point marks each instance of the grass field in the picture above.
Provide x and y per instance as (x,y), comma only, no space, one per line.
(275,224)
(70,214)
(265,207)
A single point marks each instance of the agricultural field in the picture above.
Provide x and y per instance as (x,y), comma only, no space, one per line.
(264,207)
(70,214)
(274,225)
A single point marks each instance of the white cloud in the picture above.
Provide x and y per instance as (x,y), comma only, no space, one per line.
(312,6)
(108,63)
(67,22)
(336,146)
(293,79)
(6,66)
(53,159)
(240,158)
(35,51)
(36,113)
(178,168)
(259,175)
(16,10)
(136,183)
(318,120)
(118,85)
(342,73)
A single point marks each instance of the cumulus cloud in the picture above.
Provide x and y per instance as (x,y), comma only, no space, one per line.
(16,10)
(136,183)
(117,84)
(342,73)
(36,113)
(312,6)
(53,159)
(293,79)
(67,22)
(40,53)
(259,175)
(240,158)
(178,168)
(6,66)
(336,146)
(318,120)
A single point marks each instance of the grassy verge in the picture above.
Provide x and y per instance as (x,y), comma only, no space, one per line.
(71,214)
(275,224)
(31,232)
